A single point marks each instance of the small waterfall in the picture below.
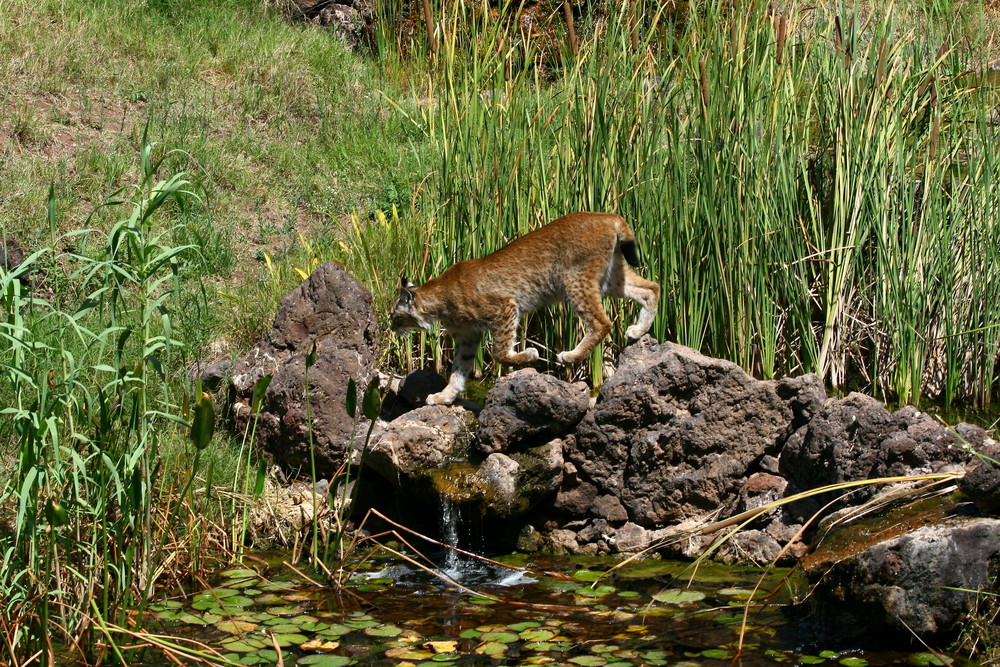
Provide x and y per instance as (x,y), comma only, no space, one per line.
(464,569)
(450,517)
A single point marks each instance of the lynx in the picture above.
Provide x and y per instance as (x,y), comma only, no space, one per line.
(578,258)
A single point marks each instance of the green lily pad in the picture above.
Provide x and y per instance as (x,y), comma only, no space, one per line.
(524,625)
(361,623)
(604,648)
(599,591)
(170,615)
(288,639)
(716,653)
(829,654)
(537,634)
(470,633)
(853,662)
(241,645)
(205,605)
(388,630)
(678,596)
(325,660)
(543,647)
(924,659)
(589,660)
(269,599)
(238,573)
(288,610)
(587,575)
(237,601)
(810,660)
(476,599)
(446,657)
(283,628)
(334,630)
(500,637)
(492,649)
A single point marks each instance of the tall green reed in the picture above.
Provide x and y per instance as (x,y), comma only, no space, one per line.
(90,408)
(810,186)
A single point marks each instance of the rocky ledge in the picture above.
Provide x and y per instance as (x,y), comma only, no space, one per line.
(674,444)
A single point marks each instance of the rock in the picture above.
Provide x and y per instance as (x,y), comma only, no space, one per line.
(630,538)
(11,254)
(575,496)
(563,541)
(527,408)
(347,17)
(213,374)
(857,438)
(333,311)
(499,474)
(609,508)
(674,433)
(982,483)
(420,384)
(909,582)
(419,441)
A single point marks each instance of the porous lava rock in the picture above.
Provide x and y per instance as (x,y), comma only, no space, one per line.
(528,408)
(858,438)
(674,434)
(333,312)
(925,581)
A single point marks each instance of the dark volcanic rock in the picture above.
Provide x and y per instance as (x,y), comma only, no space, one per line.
(982,483)
(909,582)
(333,311)
(528,408)
(857,438)
(674,433)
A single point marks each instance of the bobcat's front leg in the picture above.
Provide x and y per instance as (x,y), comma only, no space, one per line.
(466,344)
(504,335)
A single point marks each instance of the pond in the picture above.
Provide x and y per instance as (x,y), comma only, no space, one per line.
(392,609)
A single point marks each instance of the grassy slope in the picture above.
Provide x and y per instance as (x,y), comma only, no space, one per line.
(288,130)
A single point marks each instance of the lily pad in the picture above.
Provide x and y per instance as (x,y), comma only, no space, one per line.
(269,599)
(716,653)
(237,601)
(589,660)
(604,648)
(408,653)
(236,627)
(599,591)
(810,660)
(852,661)
(924,659)
(492,649)
(678,596)
(288,639)
(325,660)
(388,630)
(524,625)
(501,637)
(335,630)
(538,634)
(238,573)
(587,575)
(242,645)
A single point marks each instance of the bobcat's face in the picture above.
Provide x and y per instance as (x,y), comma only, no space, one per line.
(406,315)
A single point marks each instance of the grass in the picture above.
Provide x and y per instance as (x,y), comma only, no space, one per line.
(811,186)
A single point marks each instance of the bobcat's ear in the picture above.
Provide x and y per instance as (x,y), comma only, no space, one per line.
(405,293)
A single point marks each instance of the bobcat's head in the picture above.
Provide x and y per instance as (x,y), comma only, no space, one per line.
(406,315)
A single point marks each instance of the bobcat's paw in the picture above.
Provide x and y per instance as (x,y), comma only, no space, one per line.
(567,358)
(635,332)
(530,355)
(441,398)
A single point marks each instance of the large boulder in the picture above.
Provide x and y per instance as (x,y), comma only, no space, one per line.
(528,408)
(857,438)
(925,581)
(674,433)
(332,311)
(418,442)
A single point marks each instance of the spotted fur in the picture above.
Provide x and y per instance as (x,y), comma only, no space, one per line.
(578,258)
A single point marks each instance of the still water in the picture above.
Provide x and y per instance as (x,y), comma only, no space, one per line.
(453,609)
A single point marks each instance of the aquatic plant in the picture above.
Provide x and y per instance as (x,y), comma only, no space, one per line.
(814,187)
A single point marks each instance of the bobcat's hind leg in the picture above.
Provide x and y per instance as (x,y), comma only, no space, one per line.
(504,335)
(586,302)
(466,345)
(646,293)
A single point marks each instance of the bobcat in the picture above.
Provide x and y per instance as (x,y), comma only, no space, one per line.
(578,258)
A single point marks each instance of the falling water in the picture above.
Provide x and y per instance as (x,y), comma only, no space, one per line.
(450,516)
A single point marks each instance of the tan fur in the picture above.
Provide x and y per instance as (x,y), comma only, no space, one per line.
(577,258)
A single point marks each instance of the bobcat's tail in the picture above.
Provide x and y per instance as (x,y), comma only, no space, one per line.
(626,243)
